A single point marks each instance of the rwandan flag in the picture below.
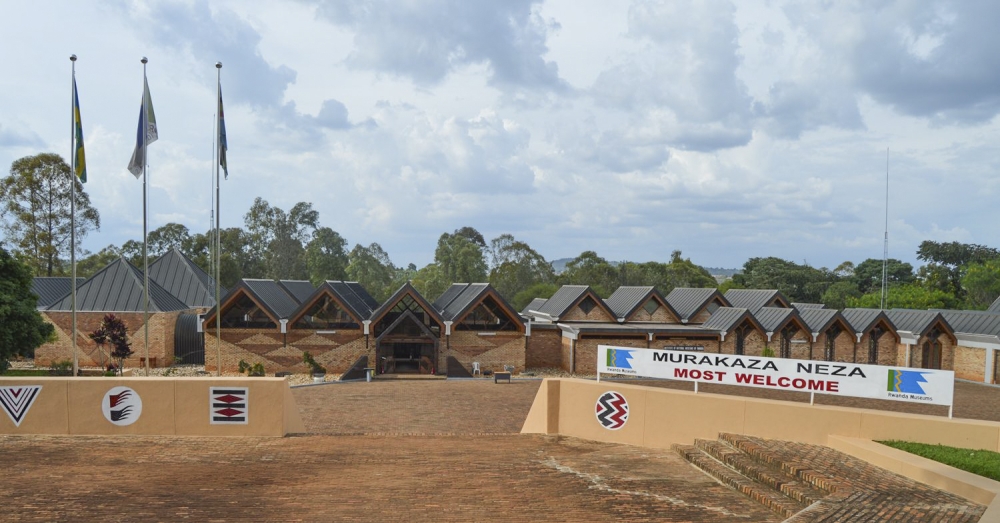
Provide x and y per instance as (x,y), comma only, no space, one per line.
(79,158)
(146,134)
(223,147)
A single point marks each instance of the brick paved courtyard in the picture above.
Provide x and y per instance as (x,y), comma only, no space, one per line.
(381,451)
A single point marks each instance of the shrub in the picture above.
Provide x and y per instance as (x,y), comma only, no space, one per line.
(252,370)
(314,366)
(61,368)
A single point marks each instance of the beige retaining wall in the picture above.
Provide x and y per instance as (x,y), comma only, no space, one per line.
(170,406)
(660,418)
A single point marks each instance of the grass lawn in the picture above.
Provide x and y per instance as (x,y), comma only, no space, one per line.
(26,372)
(983,462)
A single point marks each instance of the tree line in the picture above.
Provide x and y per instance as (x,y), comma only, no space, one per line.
(279,244)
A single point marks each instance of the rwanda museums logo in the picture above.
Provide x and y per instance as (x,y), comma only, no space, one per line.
(906,384)
(620,358)
(612,410)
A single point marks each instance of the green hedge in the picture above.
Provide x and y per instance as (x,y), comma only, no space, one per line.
(985,463)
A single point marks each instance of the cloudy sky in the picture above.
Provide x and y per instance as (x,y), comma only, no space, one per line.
(727,130)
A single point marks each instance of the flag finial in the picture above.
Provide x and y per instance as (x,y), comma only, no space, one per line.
(218,65)
(72,58)
(144,60)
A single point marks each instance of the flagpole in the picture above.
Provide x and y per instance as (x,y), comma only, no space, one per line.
(72,210)
(145,260)
(218,232)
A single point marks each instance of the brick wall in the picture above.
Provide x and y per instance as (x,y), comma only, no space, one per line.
(660,341)
(700,317)
(970,363)
(544,348)
(596,314)
(752,346)
(279,352)
(843,347)
(586,350)
(660,315)
(161,338)
(888,350)
(492,350)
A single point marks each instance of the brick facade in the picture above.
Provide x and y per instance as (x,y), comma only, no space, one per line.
(586,350)
(161,338)
(660,315)
(279,352)
(493,350)
(753,345)
(544,348)
(843,347)
(970,363)
(596,314)
(660,341)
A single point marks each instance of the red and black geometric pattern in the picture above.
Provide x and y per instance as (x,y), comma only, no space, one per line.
(17,400)
(228,405)
(612,410)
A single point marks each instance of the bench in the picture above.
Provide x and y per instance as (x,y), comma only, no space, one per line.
(501,375)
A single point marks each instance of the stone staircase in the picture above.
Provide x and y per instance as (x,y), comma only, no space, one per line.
(812,483)
(733,461)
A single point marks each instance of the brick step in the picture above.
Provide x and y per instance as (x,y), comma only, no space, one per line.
(767,474)
(754,490)
(804,472)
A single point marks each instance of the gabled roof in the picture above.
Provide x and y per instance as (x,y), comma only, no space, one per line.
(533,306)
(688,301)
(299,290)
(774,319)
(407,288)
(819,320)
(862,320)
(470,295)
(342,293)
(51,289)
(566,297)
(118,287)
(754,299)
(458,298)
(917,322)
(802,306)
(995,307)
(973,322)
(353,296)
(726,319)
(628,299)
(272,296)
(183,278)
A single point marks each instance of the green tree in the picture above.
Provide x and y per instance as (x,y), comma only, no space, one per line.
(35,205)
(838,294)
(907,296)
(23,329)
(515,266)
(91,263)
(868,274)
(326,256)
(590,269)
(799,283)
(276,240)
(945,262)
(166,237)
(982,284)
(371,267)
(460,259)
(538,290)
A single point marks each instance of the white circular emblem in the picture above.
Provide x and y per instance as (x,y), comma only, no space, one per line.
(122,406)
(611,410)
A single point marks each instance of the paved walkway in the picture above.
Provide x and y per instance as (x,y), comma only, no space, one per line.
(381,451)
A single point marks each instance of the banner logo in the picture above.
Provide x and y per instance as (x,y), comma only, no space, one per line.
(620,358)
(612,410)
(122,406)
(17,400)
(228,405)
(906,381)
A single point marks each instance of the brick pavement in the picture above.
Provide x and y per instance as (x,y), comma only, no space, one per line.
(382,451)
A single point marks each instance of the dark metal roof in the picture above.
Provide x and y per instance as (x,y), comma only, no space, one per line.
(299,290)
(118,288)
(272,296)
(915,321)
(533,306)
(754,299)
(726,318)
(51,289)
(995,307)
(688,301)
(973,322)
(774,319)
(819,320)
(348,295)
(626,299)
(863,319)
(449,296)
(183,278)
(563,299)
(802,306)
(362,294)
(469,295)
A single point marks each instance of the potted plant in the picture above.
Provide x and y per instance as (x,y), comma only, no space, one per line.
(318,371)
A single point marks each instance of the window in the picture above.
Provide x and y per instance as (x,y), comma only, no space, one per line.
(326,314)
(244,313)
(487,316)
(651,306)
(587,305)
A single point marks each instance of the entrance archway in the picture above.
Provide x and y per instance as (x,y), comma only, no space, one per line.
(407,346)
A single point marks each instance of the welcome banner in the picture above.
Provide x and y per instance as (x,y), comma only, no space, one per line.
(935,387)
